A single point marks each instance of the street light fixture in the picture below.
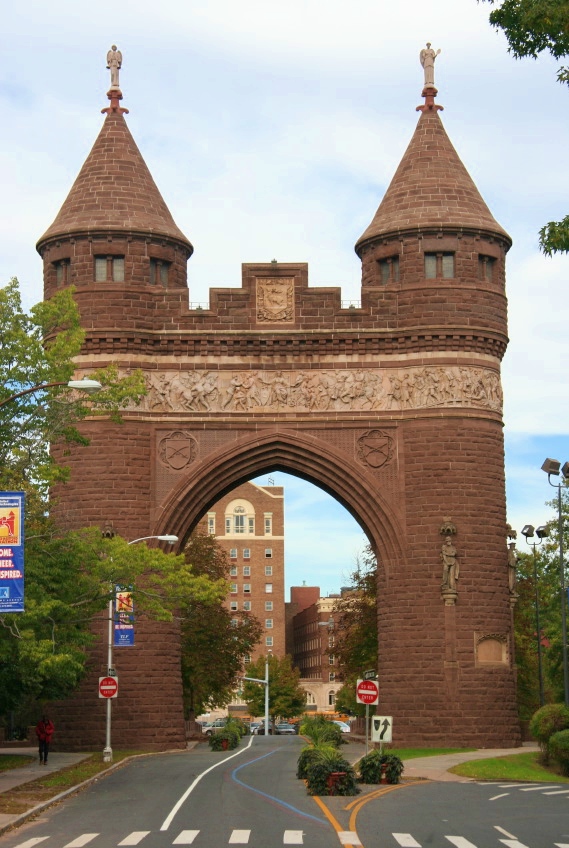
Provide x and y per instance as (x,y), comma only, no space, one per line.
(84,385)
(553,466)
(541,533)
(107,750)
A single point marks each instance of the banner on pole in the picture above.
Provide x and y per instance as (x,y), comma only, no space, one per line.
(12,551)
(123,618)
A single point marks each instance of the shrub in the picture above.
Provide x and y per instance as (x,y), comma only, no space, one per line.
(313,754)
(236,724)
(559,749)
(375,764)
(319,729)
(224,739)
(545,722)
(318,774)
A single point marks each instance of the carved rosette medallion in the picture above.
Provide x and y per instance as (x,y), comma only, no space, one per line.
(375,448)
(275,300)
(177,450)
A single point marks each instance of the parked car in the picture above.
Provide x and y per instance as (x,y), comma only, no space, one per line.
(212,726)
(343,725)
(254,727)
(284,728)
(261,730)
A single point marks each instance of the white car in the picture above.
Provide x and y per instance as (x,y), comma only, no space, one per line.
(344,726)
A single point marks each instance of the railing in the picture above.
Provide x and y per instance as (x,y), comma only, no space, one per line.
(199,306)
(351,304)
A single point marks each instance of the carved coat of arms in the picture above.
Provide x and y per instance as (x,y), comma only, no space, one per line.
(275,300)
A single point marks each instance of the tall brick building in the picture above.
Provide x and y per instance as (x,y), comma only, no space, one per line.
(394,408)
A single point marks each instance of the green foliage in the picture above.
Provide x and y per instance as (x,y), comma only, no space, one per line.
(225,739)
(319,730)
(559,749)
(213,648)
(234,723)
(375,764)
(286,698)
(533,27)
(318,777)
(548,720)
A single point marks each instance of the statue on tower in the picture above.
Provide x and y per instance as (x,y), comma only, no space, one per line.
(114,62)
(427,57)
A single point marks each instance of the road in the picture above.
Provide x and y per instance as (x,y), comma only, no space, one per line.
(252,797)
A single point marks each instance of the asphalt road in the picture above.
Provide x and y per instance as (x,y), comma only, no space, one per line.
(252,797)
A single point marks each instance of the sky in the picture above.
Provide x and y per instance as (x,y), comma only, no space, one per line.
(272,131)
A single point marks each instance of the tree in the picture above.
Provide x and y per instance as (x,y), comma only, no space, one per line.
(215,641)
(355,628)
(38,349)
(69,581)
(532,27)
(286,698)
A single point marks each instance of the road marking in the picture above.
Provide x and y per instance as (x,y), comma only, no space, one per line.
(406,840)
(168,820)
(513,843)
(495,797)
(561,844)
(460,842)
(239,837)
(293,837)
(349,837)
(538,788)
(135,837)
(185,837)
(505,832)
(516,785)
(31,842)
(81,840)
(557,792)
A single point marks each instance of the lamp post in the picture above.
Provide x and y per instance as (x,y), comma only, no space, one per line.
(107,750)
(84,385)
(264,683)
(553,466)
(541,533)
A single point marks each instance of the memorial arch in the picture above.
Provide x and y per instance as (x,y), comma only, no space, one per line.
(393,406)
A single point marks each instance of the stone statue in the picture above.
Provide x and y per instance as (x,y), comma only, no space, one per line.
(512,566)
(114,62)
(450,565)
(427,57)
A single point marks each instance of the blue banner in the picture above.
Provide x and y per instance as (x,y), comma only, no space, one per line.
(124,618)
(11,552)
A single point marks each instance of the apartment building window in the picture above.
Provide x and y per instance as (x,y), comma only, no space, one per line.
(211,524)
(439,265)
(389,269)
(247,588)
(246,571)
(233,553)
(269,606)
(331,659)
(251,525)
(233,571)
(331,699)
(268,588)
(247,659)
(247,606)
(61,272)
(227,526)
(234,622)
(246,553)
(268,571)
(486,268)
(109,269)
(239,523)
(233,606)
(268,553)
(269,641)
(233,588)
(269,623)
(159,272)
(332,676)
(268,523)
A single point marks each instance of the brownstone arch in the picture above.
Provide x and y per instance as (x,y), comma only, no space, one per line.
(393,405)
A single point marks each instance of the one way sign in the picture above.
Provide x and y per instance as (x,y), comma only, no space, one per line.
(381,727)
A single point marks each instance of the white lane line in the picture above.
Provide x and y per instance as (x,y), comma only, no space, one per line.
(168,820)
(517,785)
(293,837)
(504,832)
(558,792)
(31,842)
(561,844)
(348,837)
(513,843)
(405,840)
(239,837)
(81,840)
(539,788)
(460,842)
(185,837)
(495,797)
(135,837)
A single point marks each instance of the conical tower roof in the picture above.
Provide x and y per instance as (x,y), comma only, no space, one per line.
(114,190)
(431,187)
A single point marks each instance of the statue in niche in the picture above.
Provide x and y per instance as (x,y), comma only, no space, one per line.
(427,58)
(512,566)
(450,565)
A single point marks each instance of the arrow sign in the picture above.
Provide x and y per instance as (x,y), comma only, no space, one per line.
(382,727)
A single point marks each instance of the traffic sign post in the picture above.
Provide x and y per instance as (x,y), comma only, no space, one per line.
(381,729)
(367,692)
(108,687)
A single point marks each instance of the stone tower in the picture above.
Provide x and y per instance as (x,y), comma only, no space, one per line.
(394,408)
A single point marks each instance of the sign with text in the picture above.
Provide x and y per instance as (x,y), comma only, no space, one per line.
(108,687)
(367,692)
(381,728)
(123,625)
(11,552)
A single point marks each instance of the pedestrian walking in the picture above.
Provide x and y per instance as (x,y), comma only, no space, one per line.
(44,731)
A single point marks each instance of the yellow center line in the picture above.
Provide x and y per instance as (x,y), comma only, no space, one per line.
(356,806)
(333,821)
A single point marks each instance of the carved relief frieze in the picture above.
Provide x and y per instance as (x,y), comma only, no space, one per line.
(323,390)
(275,300)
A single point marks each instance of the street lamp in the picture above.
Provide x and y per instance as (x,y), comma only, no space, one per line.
(553,466)
(107,750)
(84,385)
(541,533)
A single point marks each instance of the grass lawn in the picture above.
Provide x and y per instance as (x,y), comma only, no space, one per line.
(524,767)
(412,753)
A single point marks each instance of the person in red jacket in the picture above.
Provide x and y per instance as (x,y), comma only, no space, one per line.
(44,732)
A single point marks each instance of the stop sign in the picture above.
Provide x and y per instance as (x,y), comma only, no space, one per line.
(108,687)
(367,692)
